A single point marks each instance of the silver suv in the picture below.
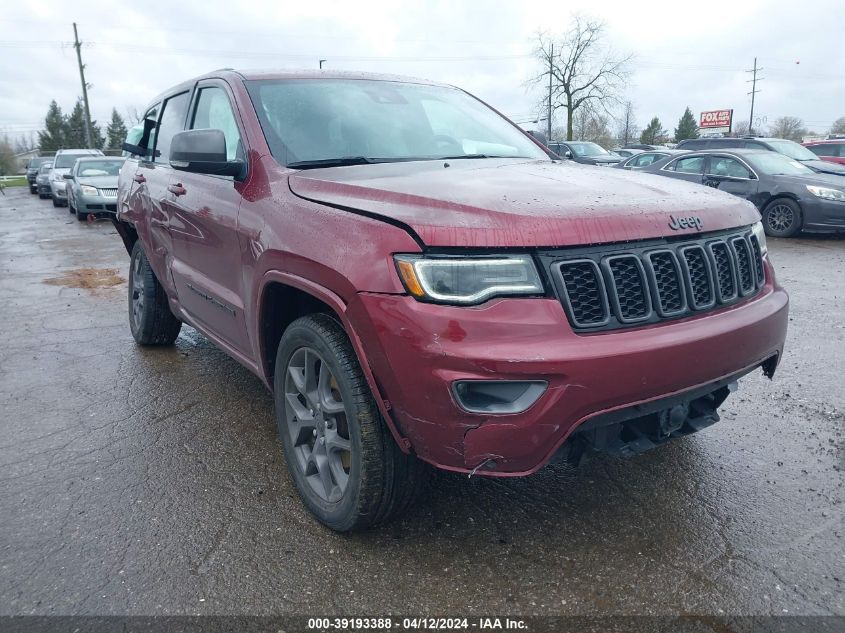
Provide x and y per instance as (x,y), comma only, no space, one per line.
(63,161)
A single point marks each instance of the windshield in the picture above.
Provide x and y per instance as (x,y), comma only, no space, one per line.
(64,161)
(793,150)
(588,149)
(92,168)
(335,119)
(772,164)
(35,163)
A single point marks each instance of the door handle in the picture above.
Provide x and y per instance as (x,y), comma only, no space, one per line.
(139,178)
(177,189)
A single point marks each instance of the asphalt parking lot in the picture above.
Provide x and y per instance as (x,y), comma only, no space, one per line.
(149,481)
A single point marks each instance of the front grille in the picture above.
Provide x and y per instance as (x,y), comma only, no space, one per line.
(629,292)
(615,286)
(724,269)
(583,292)
(109,193)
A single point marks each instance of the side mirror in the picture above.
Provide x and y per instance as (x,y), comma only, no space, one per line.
(203,152)
(568,154)
(68,176)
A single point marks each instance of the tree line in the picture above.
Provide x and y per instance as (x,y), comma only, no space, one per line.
(580,75)
(63,131)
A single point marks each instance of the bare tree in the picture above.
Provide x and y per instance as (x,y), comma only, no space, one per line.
(788,127)
(627,132)
(583,71)
(838,126)
(133,116)
(741,128)
(592,126)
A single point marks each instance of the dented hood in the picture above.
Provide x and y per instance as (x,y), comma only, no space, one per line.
(521,203)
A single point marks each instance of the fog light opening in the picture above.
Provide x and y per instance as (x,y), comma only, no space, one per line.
(498,396)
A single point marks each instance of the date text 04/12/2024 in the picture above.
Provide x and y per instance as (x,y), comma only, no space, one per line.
(413,624)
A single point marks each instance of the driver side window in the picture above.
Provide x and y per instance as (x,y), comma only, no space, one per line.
(213,111)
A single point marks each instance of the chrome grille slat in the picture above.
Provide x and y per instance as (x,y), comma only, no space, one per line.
(609,288)
(109,192)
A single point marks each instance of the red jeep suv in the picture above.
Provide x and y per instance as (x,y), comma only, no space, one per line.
(417,280)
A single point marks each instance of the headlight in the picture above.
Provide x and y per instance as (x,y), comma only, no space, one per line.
(88,190)
(468,280)
(58,177)
(827,193)
(760,234)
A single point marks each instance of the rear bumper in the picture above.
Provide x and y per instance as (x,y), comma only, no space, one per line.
(418,350)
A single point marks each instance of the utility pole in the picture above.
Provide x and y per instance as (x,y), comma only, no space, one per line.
(753,81)
(549,121)
(78,46)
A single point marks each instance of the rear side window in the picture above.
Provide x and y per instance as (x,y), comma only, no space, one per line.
(826,149)
(644,160)
(172,121)
(214,111)
(755,145)
(726,166)
(688,165)
(696,144)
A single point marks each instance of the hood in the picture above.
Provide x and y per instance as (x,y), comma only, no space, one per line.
(107,182)
(825,167)
(820,180)
(521,203)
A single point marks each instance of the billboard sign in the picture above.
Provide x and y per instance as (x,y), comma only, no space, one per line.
(716,120)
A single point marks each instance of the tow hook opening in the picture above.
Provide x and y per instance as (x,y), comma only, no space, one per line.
(636,435)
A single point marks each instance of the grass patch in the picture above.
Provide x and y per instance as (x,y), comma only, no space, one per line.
(17,181)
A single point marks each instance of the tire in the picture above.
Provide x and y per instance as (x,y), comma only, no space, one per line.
(150,318)
(82,217)
(376,480)
(43,196)
(55,202)
(782,217)
(33,189)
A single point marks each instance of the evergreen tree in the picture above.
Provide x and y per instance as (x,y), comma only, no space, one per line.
(653,131)
(53,136)
(687,127)
(116,131)
(75,127)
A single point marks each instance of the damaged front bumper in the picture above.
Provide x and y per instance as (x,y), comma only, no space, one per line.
(419,351)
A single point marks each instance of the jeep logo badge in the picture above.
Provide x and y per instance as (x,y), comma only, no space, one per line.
(690,222)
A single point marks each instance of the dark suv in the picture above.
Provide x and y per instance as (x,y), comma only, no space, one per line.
(780,145)
(418,281)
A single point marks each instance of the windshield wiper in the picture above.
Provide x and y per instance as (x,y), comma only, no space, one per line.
(334,162)
(459,156)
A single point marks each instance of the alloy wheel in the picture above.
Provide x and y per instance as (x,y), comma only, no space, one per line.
(316,421)
(137,291)
(780,218)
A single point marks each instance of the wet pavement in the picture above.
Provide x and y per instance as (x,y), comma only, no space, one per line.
(149,481)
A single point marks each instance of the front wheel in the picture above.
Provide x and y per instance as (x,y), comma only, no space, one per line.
(55,202)
(81,216)
(150,318)
(341,456)
(782,218)
(33,189)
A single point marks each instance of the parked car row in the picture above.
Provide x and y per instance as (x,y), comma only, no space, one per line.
(793,187)
(84,180)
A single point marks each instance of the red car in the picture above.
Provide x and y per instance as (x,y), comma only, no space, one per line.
(418,281)
(832,151)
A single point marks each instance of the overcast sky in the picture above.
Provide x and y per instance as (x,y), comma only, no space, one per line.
(690,53)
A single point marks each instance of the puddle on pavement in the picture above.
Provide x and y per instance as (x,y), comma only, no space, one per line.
(88,278)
